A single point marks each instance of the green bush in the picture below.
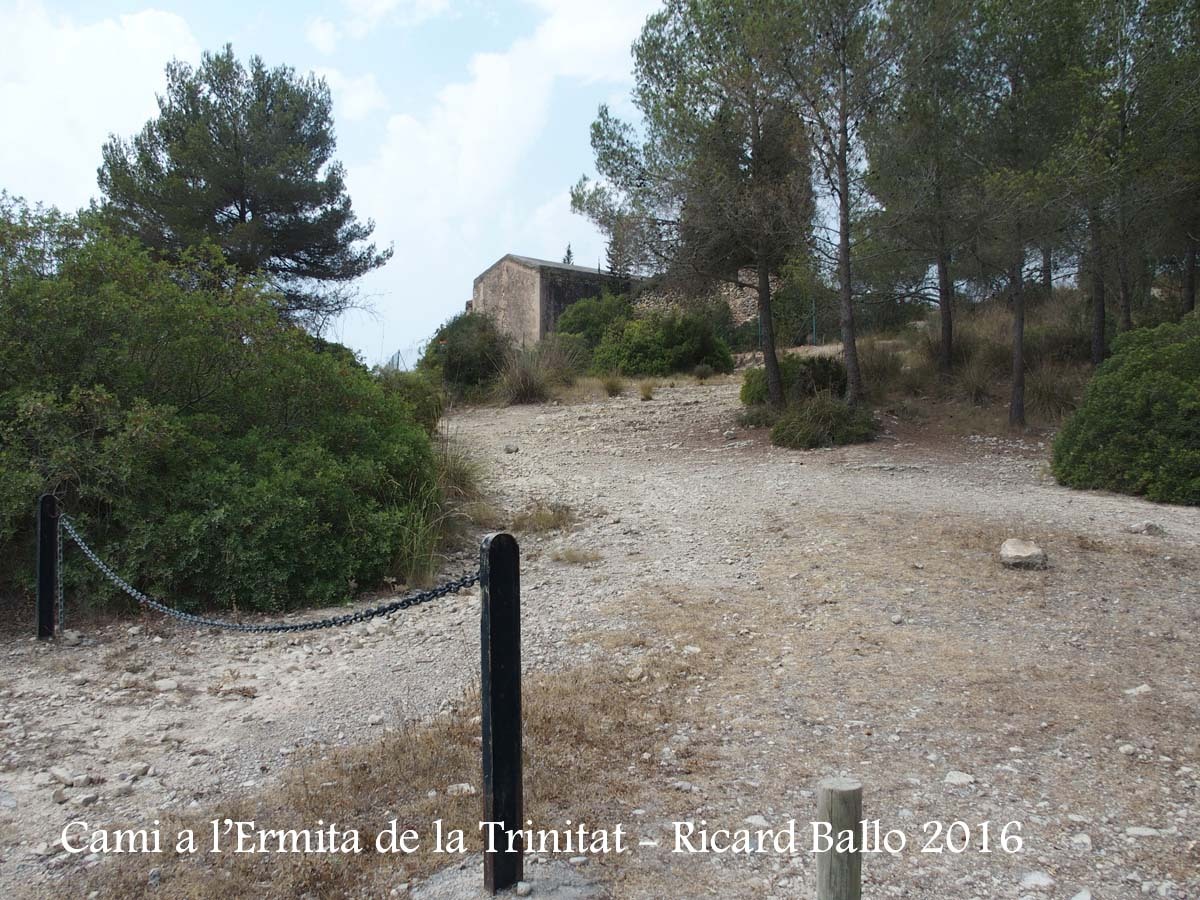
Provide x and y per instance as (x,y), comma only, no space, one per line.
(660,344)
(213,453)
(803,376)
(466,352)
(822,421)
(1138,428)
(422,395)
(592,317)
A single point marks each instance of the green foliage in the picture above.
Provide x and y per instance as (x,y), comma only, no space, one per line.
(660,344)
(803,376)
(242,157)
(823,420)
(591,317)
(421,393)
(759,416)
(1138,429)
(212,452)
(703,372)
(466,352)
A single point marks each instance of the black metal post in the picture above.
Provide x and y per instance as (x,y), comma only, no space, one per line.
(47,565)
(500,657)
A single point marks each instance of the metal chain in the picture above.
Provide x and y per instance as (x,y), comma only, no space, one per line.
(450,587)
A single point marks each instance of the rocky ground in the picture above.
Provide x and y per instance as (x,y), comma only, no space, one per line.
(841,612)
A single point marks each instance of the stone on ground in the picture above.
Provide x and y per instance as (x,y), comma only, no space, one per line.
(1020,554)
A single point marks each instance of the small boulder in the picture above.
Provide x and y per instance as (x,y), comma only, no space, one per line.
(166,685)
(1020,554)
(959,779)
(511,448)
(460,790)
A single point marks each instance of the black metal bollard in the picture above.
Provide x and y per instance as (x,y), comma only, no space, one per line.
(500,657)
(47,565)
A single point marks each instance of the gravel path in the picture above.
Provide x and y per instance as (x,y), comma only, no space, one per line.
(844,611)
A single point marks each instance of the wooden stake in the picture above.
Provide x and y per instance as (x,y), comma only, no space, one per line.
(839,874)
(500,658)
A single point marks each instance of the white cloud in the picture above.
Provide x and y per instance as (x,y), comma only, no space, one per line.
(65,86)
(354,98)
(436,179)
(323,35)
(364,15)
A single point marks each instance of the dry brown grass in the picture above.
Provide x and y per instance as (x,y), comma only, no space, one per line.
(585,734)
(541,516)
(575,556)
(646,389)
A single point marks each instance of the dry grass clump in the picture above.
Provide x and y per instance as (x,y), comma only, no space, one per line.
(575,556)
(541,516)
(646,390)
(1053,390)
(614,385)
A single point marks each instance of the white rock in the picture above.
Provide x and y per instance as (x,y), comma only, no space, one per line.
(1127,749)
(1082,840)
(165,685)
(375,719)
(1036,880)
(62,776)
(460,790)
(691,650)
(1150,528)
(897,620)
(524,889)
(1085,894)
(1020,554)
(1138,691)
(756,822)
(959,779)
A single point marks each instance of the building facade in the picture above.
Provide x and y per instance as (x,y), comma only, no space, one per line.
(525,296)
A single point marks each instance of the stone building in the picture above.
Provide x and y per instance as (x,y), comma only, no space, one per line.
(525,296)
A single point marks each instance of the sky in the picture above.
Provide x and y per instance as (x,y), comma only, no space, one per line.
(462,124)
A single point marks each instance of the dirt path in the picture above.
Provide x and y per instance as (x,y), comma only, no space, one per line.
(842,611)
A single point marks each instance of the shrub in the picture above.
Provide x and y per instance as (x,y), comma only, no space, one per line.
(703,372)
(466,352)
(759,416)
(1138,428)
(419,392)
(977,382)
(591,318)
(822,421)
(1053,390)
(212,453)
(880,366)
(660,344)
(525,378)
(565,357)
(646,390)
(613,385)
(803,376)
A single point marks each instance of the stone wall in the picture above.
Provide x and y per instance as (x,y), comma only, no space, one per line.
(742,301)
(509,292)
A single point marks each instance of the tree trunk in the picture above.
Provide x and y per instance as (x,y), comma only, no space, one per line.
(767,332)
(1189,275)
(849,348)
(946,312)
(1096,268)
(1016,408)
(1047,272)
(1126,293)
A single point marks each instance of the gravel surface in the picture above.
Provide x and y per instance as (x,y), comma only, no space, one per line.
(846,612)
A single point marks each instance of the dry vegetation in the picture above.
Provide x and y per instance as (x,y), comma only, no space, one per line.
(541,516)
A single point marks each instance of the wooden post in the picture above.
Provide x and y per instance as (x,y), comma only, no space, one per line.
(500,658)
(839,874)
(47,565)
